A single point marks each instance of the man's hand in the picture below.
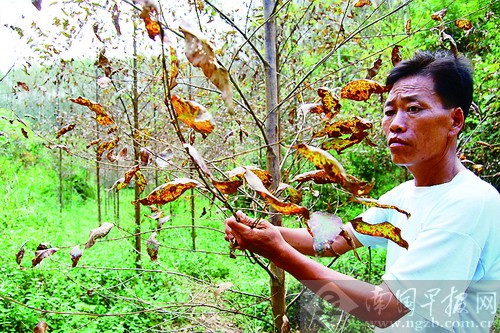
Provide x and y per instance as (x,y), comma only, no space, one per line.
(260,237)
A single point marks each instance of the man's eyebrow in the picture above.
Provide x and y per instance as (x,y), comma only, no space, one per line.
(407,98)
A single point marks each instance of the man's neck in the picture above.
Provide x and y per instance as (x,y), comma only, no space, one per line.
(437,174)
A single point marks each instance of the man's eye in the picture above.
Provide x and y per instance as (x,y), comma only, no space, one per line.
(389,113)
(413,109)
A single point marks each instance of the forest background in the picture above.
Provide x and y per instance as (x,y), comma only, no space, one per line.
(103,106)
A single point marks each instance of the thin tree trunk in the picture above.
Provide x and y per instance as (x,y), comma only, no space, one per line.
(136,131)
(97,164)
(277,283)
(193,220)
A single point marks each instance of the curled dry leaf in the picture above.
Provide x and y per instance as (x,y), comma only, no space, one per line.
(384,229)
(41,254)
(282,207)
(317,176)
(23,86)
(396,55)
(97,233)
(374,203)
(290,193)
(344,133)
(357,187)
(285,327)
(93,142)
(408,27)
(193,114)
(374,69)
(264,176)
(330,105)
(198,159)
(64,130)
(174,68)
(439,15)
(123,182)
(152,26)
(20,253)
(102,116)
(41,327)
(362,3)
(140,181)
(107,146)
(361,90)
(162,160)
(200,54)
(152,246)
(168,192)
(75,254)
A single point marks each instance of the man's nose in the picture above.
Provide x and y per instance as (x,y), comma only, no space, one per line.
(398,122)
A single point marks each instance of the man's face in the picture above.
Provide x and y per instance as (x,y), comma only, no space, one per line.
(416,124)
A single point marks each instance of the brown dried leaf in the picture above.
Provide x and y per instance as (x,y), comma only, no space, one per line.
(65,130)
(396,55)
(115,14)
(361,90)
(102,116)
(317,176)
(438,16)
(107,146)
(174,68)
(193,114)
(374,203)
(374,69)
(152,26)
(453,44)
(408,27)
(168,192)
(97,233)
(93,142)
(152,247)
(200,54)
(384,229)
(362,3)
(123,182)
(24,133)
(282,207)
(42,326)
(322,160)
(357,187)
(75,255)
(140,182)
(344,133)
(264,176)
(228,186)
(23,86)
(42,254)
(198,159)
(20,253)
(463,24)
(331,104)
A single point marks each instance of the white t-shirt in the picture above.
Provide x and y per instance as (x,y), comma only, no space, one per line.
(450,275)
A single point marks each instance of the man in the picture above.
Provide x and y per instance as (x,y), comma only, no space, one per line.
(448,279)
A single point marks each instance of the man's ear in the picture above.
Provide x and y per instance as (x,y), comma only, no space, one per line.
(458,119)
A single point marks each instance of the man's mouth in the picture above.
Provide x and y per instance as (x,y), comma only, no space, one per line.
(396,142)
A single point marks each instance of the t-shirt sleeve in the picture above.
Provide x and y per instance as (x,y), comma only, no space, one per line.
(432,276)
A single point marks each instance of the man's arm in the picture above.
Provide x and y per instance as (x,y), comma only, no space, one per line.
(301,240)
(375,304)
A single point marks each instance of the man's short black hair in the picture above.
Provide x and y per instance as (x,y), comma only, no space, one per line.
(452,76)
